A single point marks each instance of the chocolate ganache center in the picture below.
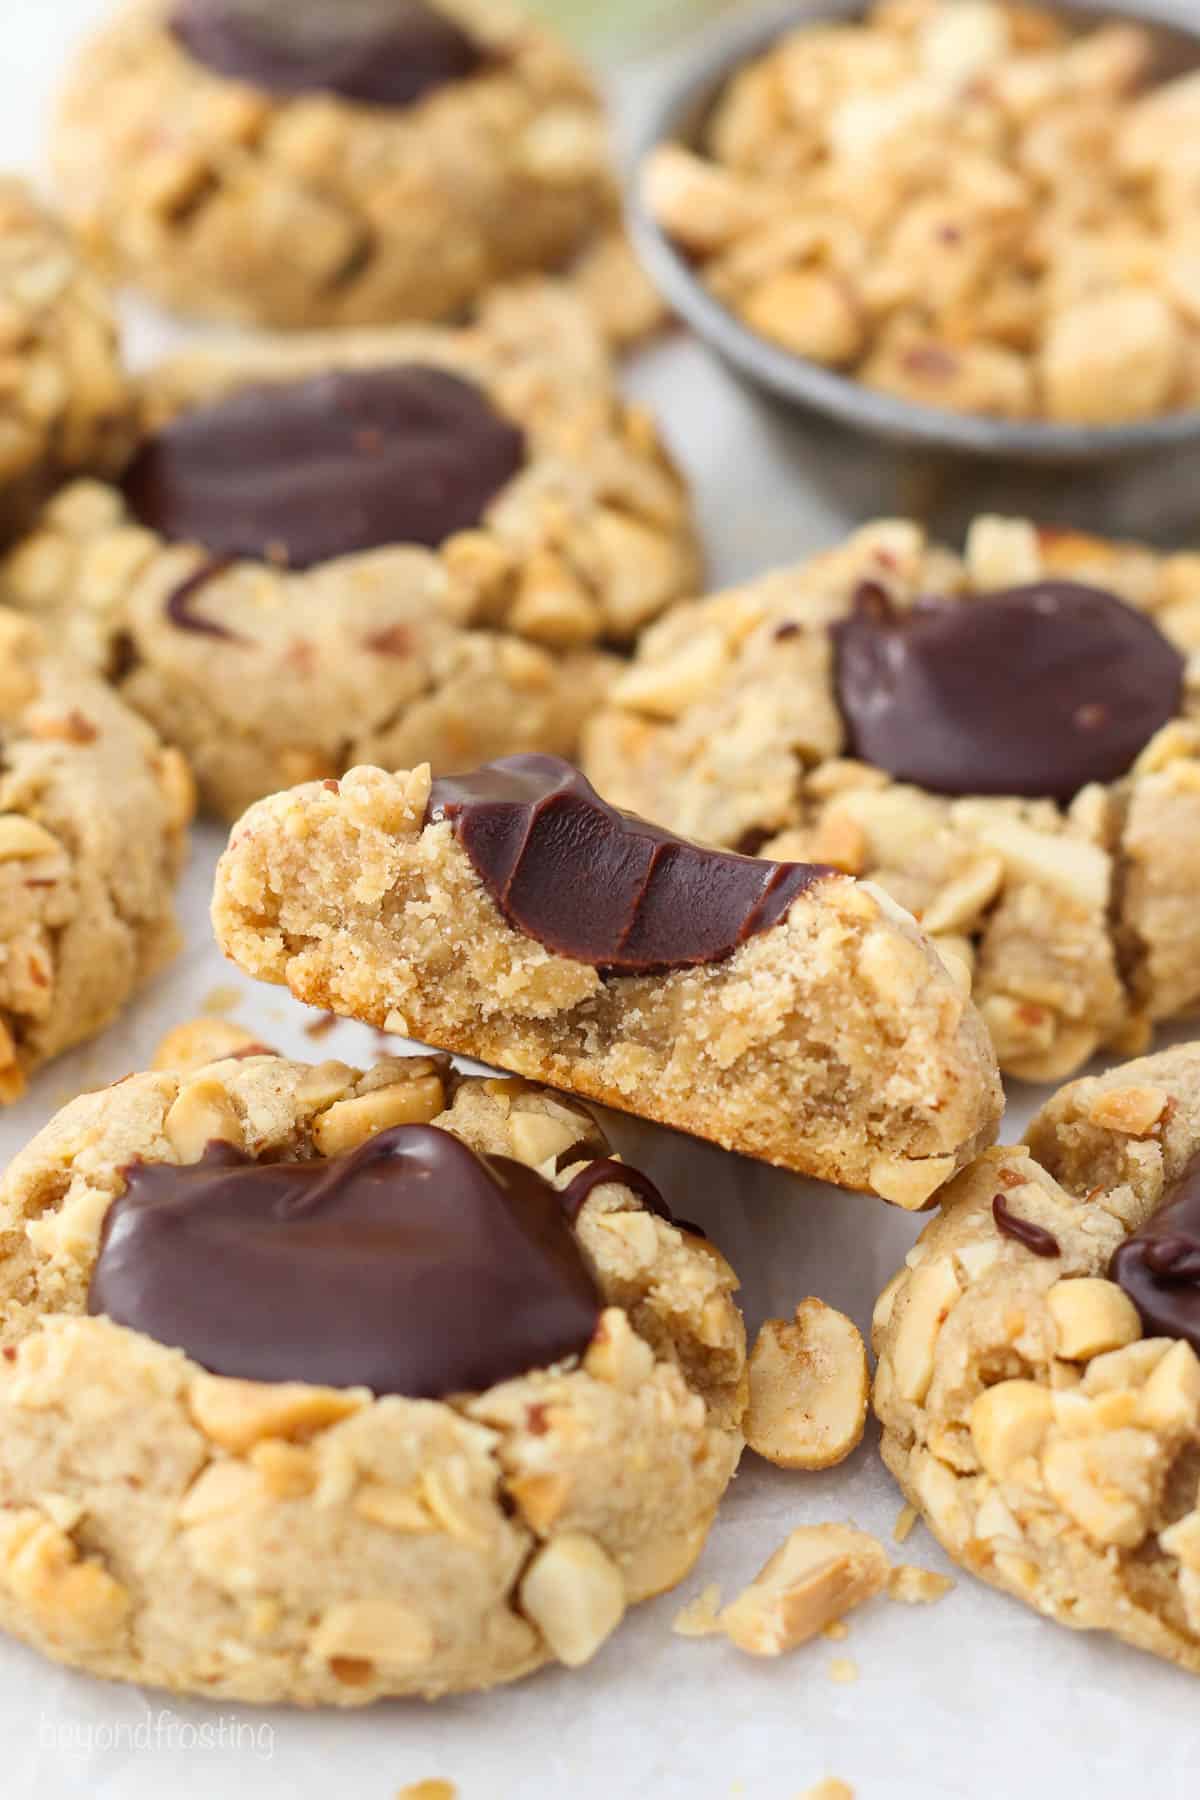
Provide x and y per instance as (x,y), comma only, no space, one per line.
(380,52)
(1159,1266)
(603,886)
(1033,691)
(409,1265)
(300,472)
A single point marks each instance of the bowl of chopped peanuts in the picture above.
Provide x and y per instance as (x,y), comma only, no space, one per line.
(968,225)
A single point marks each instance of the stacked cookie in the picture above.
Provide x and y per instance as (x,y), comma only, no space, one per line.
(410,1382)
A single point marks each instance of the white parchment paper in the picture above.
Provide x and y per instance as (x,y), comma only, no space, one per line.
(972,1697)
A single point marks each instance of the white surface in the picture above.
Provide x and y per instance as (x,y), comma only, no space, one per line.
(974,1696)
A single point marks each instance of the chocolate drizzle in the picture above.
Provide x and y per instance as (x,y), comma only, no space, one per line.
(298,473)
(180,609)
(609,1169)
(601,886)
(378,52)
(408,1265)
(1159,1266)
(1024,1231)
(1034,691)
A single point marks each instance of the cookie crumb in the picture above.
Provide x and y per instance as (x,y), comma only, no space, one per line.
(836,1631)
(699,1617)
(819,1573)
(428,1790)
(829,1789)
(843,1670)
(906,1518)
(917,1587)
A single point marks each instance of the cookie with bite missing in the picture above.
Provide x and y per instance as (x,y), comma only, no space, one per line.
(385,546)
(408,1384)
(1006,739)
(783,1010)
(1039,1376)
(306,165)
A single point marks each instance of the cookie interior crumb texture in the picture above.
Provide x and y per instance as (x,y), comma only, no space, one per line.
(321,1544)
(979,208)
(833,1043)
(1048,1434)
(1068,915)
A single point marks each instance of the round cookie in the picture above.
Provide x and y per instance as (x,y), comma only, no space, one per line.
(65,406)
(1038,1382)
(386,546)
(307,165)
(1007,740)
(93,818)
(559,1383)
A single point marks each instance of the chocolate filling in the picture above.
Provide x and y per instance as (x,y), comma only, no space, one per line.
(408,1265)
(601,886)
(1159,1266)
(1033,691)
(297,473)
(380,52)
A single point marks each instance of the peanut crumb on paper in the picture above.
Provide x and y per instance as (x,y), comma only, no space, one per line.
(917,1587)
(843,1670)
(819,1573)
(829,1789)
(836,1631)
(699,1618)
(428,1790)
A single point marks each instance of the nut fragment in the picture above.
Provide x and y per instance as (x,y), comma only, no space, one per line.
(1008,1423)
(373,1632)
(350,1122)
(22,839)
(808,1389)
(202,1041)
(820,1573)
(932,1292)
(75,1602)
(917,1587)
(574,1594)
(202,1114)
(237,1414)
(1091,1315)
(1134,1111)
(701,1616)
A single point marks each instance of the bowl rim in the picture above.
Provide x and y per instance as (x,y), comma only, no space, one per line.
(719,52)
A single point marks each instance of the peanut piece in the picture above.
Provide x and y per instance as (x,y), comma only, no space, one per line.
(350,1122)
(202,1114)
(808,1389)
(819,1574)
(1008,1423)
(22,838)
(373,1632)
(202,1041)
(1134,1111)
(917,1587)
(1091,1315)
(908,1184)
(933,1290)
(75,1602)
(574,1594)
(238,1414)
(617,1355)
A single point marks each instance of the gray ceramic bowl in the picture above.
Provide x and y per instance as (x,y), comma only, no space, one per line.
(679,117)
